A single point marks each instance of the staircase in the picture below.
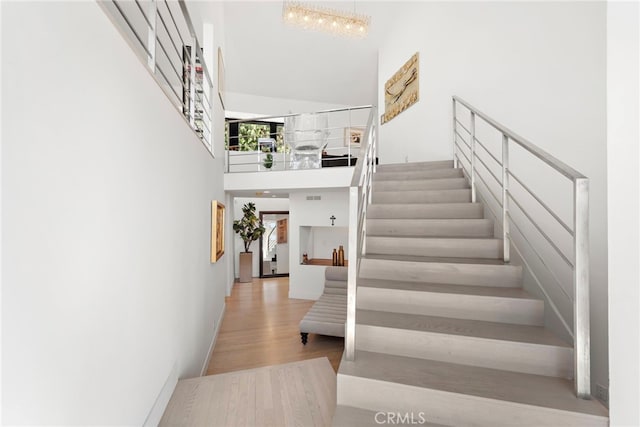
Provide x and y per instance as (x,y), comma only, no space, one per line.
(445,334)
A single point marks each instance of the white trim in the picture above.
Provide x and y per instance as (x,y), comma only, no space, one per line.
(203,371)
(159,406)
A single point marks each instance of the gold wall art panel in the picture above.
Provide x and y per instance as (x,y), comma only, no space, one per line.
(217,230)
(401,90)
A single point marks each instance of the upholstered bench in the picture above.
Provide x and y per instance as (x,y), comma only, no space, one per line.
(328,314)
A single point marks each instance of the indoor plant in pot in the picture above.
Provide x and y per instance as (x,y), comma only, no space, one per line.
(250,228)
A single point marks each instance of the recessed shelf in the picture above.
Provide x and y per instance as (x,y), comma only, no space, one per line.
(318,242)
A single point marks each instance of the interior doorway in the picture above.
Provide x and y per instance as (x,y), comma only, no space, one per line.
(274,244)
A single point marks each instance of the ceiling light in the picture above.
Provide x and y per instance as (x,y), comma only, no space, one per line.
(319,18)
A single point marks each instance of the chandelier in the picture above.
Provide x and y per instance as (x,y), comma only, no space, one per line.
(324,19)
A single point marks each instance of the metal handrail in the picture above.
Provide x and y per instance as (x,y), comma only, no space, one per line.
(579,232)
(334,110)
(189,103)
(552,161)
(359,200)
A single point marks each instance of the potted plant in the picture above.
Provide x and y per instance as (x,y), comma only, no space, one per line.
(250,228)
(268,161)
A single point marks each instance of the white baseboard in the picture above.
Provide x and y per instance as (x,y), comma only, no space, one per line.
(203,371)
(155,415)
(297,294)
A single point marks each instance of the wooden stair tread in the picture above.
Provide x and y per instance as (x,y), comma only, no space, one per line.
(519,388)
(488,291)
(535,335)
(443,210)
(439,164)
(438,260)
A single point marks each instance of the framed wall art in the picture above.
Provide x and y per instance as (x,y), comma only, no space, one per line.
(402,90)
(353,136)
(217,230)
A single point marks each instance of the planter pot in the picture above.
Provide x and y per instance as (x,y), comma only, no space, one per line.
(246,267)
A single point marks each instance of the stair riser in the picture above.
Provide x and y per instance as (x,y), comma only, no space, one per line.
(512,356)
(433,211)
(416,185)
(418,166)
(435,247)
(430,228)
(452,408)
(518,311)
(445,273)
(426,174)
(433,196)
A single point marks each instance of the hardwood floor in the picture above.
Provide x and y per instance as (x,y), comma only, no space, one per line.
(260,328)
(295,394)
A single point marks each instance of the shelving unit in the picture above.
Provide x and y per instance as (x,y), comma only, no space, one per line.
(318,243)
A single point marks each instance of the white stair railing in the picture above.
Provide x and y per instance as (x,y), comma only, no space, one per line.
(465,151)
(162,35)
(359,200)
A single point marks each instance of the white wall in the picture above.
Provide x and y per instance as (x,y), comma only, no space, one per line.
(285,181)
(623,134)
(265,56)
(262,204)
(272,106)
(306,281)
(108,292)
(537,67)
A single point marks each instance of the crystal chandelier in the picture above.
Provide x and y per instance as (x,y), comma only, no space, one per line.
(324,19)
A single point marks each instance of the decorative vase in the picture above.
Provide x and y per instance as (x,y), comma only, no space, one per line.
(335,258)
(341,256)
(246,267)
(307,135)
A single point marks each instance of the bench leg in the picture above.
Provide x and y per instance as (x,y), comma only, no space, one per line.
(303,337)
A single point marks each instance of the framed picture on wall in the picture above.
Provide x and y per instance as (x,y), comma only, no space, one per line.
(353,136)
(217,230)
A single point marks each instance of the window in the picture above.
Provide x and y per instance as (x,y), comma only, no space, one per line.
(244,136)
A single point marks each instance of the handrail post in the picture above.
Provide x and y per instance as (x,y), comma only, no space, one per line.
(192,86)
(349,139)
(151,35)
(374,111)
(473,157)
(350,326)
(455,157)
(581,326)
(505,199)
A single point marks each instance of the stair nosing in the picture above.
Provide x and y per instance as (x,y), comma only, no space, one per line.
(496,262)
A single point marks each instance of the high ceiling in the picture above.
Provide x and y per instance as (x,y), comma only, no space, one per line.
(265,57)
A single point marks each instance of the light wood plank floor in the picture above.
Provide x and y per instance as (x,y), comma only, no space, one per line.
(294,394)
(260,328)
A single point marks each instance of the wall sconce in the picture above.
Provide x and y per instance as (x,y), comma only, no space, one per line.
(333,220)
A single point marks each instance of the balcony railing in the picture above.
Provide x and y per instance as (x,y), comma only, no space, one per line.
(258,148)
(161,33)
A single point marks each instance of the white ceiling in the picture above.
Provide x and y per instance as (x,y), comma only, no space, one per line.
(265,57)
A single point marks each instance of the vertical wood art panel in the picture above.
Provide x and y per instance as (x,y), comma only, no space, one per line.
(401,90)
(217,230)
(282,230)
